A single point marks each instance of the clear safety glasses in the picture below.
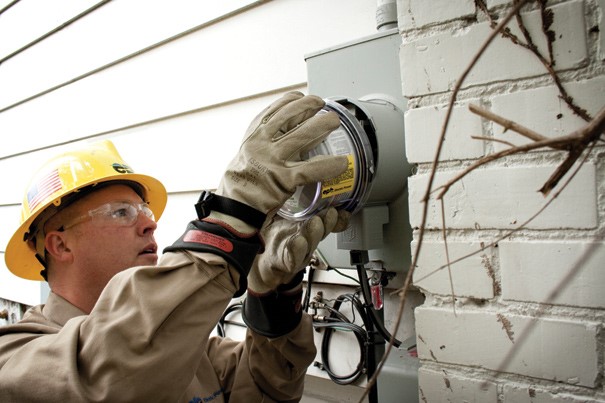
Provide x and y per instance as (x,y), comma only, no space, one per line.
(122,214)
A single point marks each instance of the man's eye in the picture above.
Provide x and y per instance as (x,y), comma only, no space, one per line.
(119,213)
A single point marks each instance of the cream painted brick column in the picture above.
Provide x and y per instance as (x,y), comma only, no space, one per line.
(526,321)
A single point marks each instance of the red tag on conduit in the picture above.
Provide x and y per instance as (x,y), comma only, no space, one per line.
(377,295)
(207,238)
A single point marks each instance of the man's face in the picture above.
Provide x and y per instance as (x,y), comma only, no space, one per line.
(103,247)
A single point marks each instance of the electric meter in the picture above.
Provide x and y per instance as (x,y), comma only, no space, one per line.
(347,191)
(356,137)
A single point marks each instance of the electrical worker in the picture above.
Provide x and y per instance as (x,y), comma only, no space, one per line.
(119,326)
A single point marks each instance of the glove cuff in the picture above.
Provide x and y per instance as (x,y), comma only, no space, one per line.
(275,313)
(238,251)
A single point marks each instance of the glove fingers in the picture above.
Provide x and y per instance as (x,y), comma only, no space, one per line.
(308,135)
(302,244)
(295,254)
(292,114)
(313,231)
(319,168)
(329,218)
(344,217)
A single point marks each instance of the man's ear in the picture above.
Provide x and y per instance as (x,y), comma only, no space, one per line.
(56,246)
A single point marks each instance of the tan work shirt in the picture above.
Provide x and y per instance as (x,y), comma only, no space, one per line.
(148,340)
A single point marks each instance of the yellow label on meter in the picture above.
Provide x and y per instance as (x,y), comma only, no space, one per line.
(343,183)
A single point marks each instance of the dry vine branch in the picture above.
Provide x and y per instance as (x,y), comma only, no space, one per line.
(509,125)
(547,20)
(575,142)
(447,257)
(493,140)
(588,135)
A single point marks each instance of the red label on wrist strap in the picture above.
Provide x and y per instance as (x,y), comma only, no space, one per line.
(207,238)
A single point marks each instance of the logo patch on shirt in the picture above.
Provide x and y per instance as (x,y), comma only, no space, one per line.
(210,398)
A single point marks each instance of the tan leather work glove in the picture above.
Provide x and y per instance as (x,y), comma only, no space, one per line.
(289,246)
(269,165)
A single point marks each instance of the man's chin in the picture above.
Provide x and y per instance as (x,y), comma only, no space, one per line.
(147,259)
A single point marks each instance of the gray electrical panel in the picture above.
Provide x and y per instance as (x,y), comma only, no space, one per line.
(367,71)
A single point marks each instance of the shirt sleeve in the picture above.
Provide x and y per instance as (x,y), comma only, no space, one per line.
(143,340)
(264,369)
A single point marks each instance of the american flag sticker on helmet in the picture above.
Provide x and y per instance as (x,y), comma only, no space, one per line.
(42,188)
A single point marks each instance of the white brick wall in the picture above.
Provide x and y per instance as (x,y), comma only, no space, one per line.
(439,59)
(427,122)
(473,277)
(554,272)
(544,348)
(542,110)
(442,386)
(418,13)
(529,316)
(504,197)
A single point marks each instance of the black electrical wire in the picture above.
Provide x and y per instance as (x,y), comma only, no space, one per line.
(307,297)
(220,326)
(337,321)
(345,275)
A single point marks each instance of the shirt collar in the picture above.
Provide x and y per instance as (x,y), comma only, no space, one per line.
(58,310)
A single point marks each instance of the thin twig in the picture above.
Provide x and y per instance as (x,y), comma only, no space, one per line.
(576,142)
(507,124)
(511,151)
(547,20)
(590,135)
(493,139)
(447,256)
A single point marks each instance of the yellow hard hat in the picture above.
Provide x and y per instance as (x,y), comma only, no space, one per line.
(65,175)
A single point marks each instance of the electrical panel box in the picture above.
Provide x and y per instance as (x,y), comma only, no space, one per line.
(365,75)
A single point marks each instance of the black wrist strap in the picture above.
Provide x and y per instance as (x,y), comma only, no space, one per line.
(209,201)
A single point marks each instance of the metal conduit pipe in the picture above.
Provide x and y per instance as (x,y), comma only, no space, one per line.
(386,14)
